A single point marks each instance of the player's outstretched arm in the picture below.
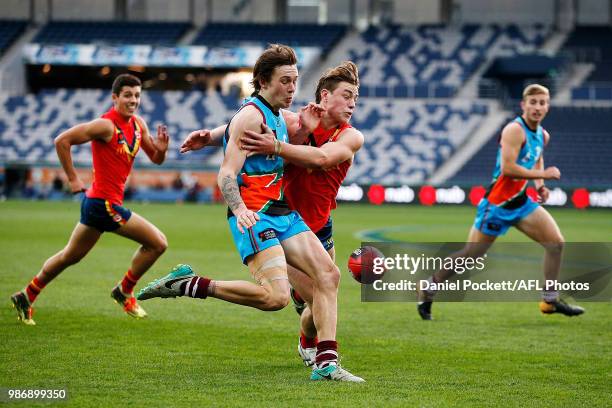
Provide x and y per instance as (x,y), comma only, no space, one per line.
(299,126)
(101,129)
(232,163)
(324,157)
(157,148)
(202,138)
(511,141)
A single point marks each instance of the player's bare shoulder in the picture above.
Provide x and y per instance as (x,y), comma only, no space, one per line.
(512,127)
(546,136)
(351,137)
(513,133)
(291,118)
(252,112)
(101,129)
(250,117)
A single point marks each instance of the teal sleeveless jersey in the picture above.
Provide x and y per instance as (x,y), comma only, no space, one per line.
(261,177)
(505,190)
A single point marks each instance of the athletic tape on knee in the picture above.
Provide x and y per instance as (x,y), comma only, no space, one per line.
(276,262)
(275,278)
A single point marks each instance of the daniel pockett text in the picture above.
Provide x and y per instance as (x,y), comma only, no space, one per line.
(505,272)
(488,285)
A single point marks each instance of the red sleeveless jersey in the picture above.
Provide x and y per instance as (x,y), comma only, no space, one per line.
(112,161)
(311,192)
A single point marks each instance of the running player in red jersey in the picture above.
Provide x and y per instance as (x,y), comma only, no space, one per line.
(520,158)
(115,139)
(317,166)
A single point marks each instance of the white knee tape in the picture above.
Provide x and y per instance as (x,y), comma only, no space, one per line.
(276,262)
(275,278)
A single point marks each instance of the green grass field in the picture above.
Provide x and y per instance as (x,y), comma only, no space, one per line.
(210,353)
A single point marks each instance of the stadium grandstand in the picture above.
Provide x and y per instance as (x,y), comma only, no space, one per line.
(437,83)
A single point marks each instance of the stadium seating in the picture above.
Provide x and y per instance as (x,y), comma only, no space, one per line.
(593,44)
(479,169)
(433,60)
(582,155)
(10,30)
(231,34)
(581,145)
(406,140)
(29,123)
(593,91)
(158,33)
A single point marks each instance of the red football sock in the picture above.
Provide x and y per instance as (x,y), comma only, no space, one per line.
(34,288)
(307,342)
(327,353)
(128,282)
(297,296)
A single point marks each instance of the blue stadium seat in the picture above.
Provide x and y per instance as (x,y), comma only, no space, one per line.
(10,30)
(232,34)
(580,93)
(603,93)
(593,44)
(111,32)
(435,60)
(406,140)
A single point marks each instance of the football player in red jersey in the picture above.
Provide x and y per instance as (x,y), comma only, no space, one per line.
(116,138)
(317,166)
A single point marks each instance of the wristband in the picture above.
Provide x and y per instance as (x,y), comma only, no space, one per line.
(277,147)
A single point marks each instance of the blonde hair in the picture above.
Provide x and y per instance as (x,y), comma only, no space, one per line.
(535,89)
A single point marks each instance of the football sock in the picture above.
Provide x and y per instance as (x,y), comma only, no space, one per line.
(307,342)
(550,295)
(297,296)
(198,287)
(128,282)
(33,289)
(327,353)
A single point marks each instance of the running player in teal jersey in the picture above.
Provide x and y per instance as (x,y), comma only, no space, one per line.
(519,159)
